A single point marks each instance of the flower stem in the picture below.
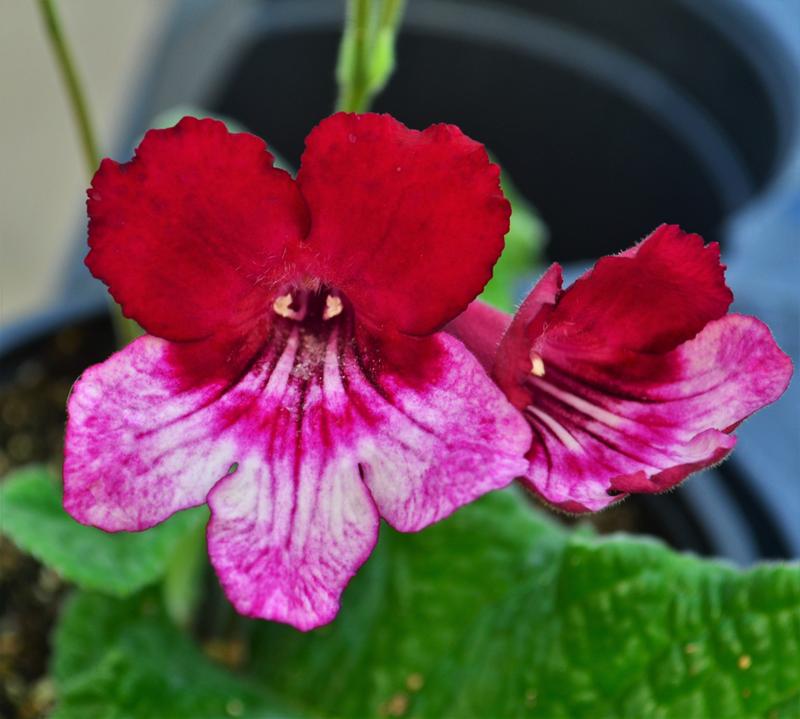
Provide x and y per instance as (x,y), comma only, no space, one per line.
(125,329)
(72,84)
(366,53)
(182,580)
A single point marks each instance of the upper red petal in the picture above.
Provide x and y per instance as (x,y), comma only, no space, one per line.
(652,297)
(193,230)
(407,224)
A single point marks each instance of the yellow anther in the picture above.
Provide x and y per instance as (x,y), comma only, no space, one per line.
(283,306)
(333,307)
(537,365)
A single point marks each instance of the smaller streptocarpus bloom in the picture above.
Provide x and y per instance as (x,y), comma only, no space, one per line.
(633,377)
(293,376)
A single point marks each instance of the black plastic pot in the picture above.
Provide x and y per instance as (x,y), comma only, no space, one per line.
(610,117)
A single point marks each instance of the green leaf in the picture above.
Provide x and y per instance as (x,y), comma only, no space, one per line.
(519,262)
(497,613)
(33,518)
(123,659)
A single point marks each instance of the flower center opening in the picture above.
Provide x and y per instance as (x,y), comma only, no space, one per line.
(311,328)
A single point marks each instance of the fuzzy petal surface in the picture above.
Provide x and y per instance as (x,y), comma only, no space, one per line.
(444,442)
(291,526)
(407,224)
(300,450)
(191,235)
(651,298)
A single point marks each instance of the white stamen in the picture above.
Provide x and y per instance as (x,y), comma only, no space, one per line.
(561,432)
(333,307)
(582,405)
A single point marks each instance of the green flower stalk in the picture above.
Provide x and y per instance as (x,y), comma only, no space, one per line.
(125,329)
(366,54)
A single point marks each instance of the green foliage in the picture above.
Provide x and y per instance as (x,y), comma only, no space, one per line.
(494,612)
(32,516)
(497,613)
(519,261)
(123,659)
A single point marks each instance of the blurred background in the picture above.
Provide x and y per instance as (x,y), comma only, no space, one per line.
(610,118)
(42,181)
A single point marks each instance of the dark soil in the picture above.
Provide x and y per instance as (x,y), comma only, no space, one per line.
(34,386)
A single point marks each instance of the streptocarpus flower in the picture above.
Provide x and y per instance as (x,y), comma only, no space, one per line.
(633,377)
(294,376)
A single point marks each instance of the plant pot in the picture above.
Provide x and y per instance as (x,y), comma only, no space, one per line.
(610,119)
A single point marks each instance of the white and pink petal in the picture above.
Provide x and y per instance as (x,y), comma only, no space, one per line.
(142,443)
(345,447)
(299,451)
(441,444)
(645,423)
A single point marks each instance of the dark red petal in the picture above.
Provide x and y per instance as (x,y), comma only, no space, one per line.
(192,231)
(407,224)
(652,297)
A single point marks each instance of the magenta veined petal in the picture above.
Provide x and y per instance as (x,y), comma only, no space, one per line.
(645,424)
(299,455)
(137,448)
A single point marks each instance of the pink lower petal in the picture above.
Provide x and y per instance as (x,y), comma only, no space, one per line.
(440,445)
(646,422)
(286,549)
(294,522)
(299,451)
(138,443)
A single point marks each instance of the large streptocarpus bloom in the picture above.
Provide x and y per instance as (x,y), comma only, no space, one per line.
(632,378)
(293,375)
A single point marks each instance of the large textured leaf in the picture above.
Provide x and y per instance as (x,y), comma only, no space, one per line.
(495,613)
(123,659)
(31,515)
